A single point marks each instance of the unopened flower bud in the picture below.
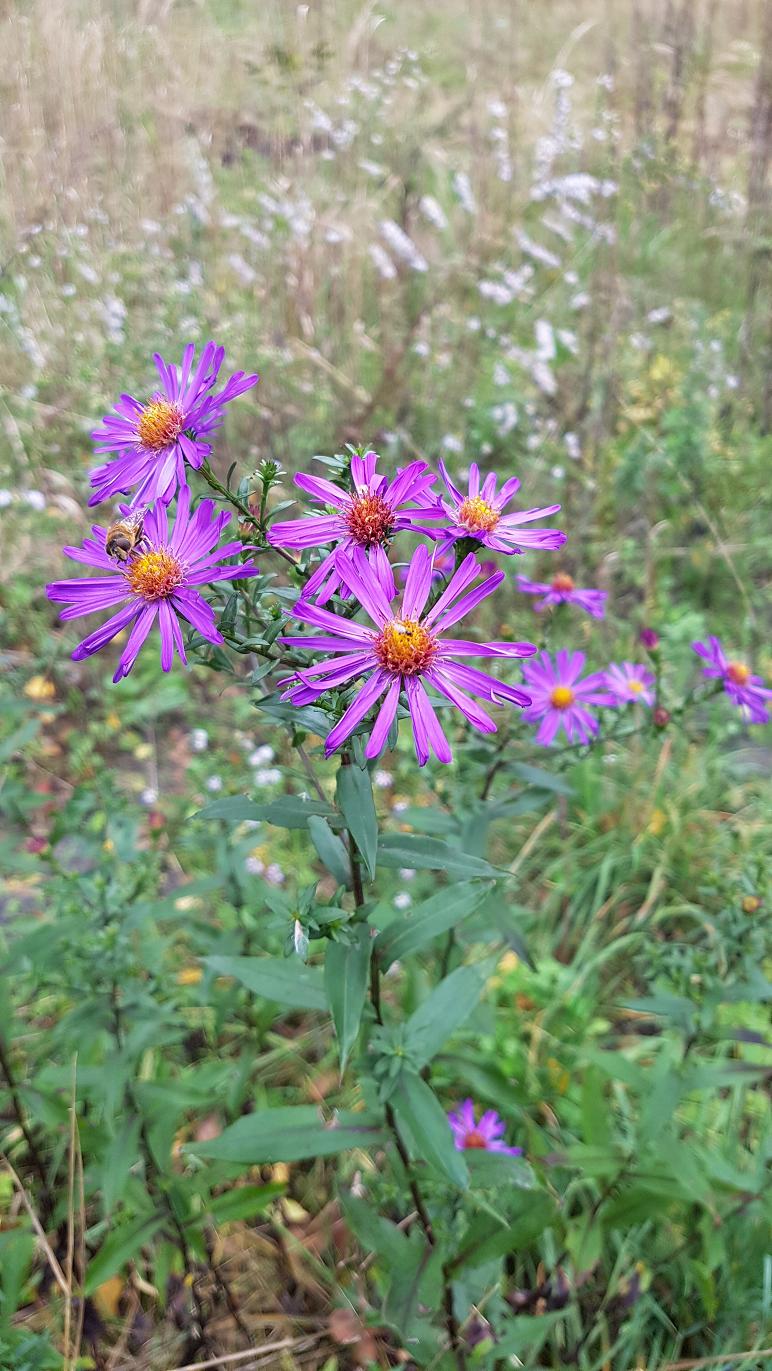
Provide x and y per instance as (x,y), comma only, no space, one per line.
(661,717)
(751,904)
(649,638)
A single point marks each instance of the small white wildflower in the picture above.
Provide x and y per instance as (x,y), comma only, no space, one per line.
(573,446)
(399,806)
(199,740)
(261,756)
(501,376)
(544,378)
(402,246)
(213,783)
(407,873)
(34,498)
(545,340)
(463,188)
(241,268)
(267,775)
(562,79)
(421,349)
(254,866)
(148,796)
(558,473)
(402,900)
(68,291)
(432,211)
(274,874)
(496,108)
(580,301)
(536,251)
(6,499)
(662,315)
(452,443)
(383,779)
(382,261)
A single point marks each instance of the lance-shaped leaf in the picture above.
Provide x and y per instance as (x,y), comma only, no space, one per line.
(346,966)
(330,849)
(430,854)
(428,920)
(286,981)
(291,1134)
(423,1121)
(286,811)
(448,1006)
(354,793)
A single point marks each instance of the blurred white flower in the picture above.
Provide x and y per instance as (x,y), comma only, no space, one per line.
(402,246)
(261,756)
(199,740)
(213,783)
(148,796)
(402,900)
(274,874)
(254,866)
(463,188)
(432,211)
(406,873)
(34,498)
(383,263)
(269,775)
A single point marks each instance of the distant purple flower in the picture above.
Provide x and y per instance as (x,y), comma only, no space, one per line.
(486,1134)
(159,581)
(560,698)
(561,590)
(154,441)
(404,652)
(479,514)
(745,690)
(368,517)
(649,638)
(630,683)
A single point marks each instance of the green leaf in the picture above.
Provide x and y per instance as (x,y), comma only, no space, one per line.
(354,794)
(346,967)
(120,1155)
(375,1233)
(285,981)
(290,1134)
(243,1202)
(330,849)
(430,854)
(121,1245)
(288,811)
(17,1251)
(435,916)
(543,780)
(499,1171)
(528,1334)
(419,1111)
(443,1012)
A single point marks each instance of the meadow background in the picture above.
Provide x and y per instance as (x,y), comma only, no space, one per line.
(537,235)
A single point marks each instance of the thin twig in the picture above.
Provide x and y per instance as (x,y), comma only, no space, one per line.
(300,1344)
(56,1269)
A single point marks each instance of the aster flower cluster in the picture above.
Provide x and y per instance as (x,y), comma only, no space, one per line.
(152,572)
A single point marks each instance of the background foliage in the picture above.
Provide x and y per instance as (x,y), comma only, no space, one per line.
(439,230)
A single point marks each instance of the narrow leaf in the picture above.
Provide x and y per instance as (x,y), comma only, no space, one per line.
(121,1245)
(355,800)
(284,981)
(428,920)
(288,811)
(443,1012)
(330,849)
(346,967)
(290,1134)
(430,854)
(430,1138)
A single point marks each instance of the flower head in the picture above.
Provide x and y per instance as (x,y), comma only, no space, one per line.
(405,651)
(479,514)
(649,638)
(560,698)
(367,517)
(561,590)
(744,689)
(630,683)
(485,1133)
(158,581)
(154,440)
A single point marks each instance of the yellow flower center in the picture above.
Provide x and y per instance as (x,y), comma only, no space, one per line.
(474,1139)
(159,424)
(405,648)
(562,581)
(477,515)
(369,520)
(562,696)
(155,574)
(635,686)
(738,673)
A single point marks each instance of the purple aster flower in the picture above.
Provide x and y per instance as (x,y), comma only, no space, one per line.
(157,581)
(649,638)
(479,514)
(404,652)
(368,517)
(155,440)
(744,689)
(630,683)
(485,1134)
(561,590)
(560,698)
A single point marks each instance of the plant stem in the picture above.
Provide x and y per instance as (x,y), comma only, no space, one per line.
(244,511)
(18,1109)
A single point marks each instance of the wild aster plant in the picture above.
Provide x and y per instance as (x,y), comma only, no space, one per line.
(469,1134)
(744,689)
(630,683)
(479,515)
(560,697)
(156,440)
(160,582)
(367,517)
(405,651)
(561,590)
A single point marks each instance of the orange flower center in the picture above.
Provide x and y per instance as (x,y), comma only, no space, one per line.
(405,648)
(562,581)
(477,515)
(562,696)
(155,575)
(159,424)
(474,1139)
(369,520)
(738,673)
